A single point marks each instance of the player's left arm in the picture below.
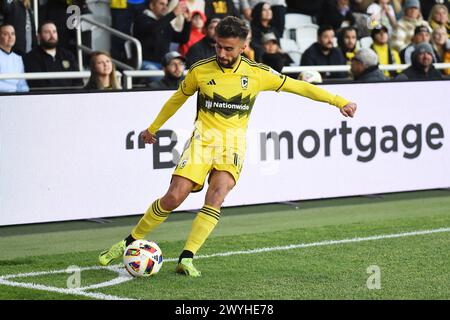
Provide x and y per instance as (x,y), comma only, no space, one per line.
(277,82)
(308,90)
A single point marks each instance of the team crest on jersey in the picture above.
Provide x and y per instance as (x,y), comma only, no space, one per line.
(244,82)
(182,164)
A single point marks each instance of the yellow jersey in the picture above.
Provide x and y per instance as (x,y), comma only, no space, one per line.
(226,97)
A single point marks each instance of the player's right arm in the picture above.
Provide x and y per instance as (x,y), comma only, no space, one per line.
(186,89)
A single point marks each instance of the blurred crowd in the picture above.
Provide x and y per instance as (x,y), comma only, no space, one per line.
(175,34)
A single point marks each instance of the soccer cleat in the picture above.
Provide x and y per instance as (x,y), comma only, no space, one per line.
(186,267)
(115,252)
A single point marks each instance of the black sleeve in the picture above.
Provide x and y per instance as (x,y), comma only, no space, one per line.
(183,36)
(307,59)
(193,55)
(143,25)
(32,63)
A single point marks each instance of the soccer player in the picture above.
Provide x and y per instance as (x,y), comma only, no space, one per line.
(227,86)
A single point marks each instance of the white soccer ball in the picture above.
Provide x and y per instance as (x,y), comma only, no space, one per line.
(143,258)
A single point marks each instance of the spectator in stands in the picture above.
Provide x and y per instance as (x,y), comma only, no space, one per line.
(50,57)
(323,52)
(440,42)
(10,62)
(386,55)
(278,8)
(338,14)
(197,31)
(421,34)
(364,67)
(381,12)
(220,9)
(56,11)
(103,73)
(347,42)
(273,56)
(192,5)
(439,17)
(261,24)
(405,27)
(153,29)
(123,13)
(173,65)
(422,65)
(19,14)
(427,5)
(206,47)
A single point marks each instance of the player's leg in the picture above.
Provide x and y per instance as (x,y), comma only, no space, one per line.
(159,210)
(220,184)
(157,213)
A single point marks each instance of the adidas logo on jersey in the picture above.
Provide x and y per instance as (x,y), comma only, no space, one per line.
(211,82)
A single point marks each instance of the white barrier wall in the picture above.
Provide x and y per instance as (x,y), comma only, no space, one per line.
(66,157)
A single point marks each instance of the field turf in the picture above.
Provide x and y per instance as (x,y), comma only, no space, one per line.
(404,236)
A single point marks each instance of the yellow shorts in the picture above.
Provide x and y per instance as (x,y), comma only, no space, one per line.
(199,159)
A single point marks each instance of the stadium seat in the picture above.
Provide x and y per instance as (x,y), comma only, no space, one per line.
(305,43)
(294,20)
(302,31)
(100,38)
(290,47)
(307,31)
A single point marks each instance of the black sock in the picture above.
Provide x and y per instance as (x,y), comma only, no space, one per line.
(185,254)
(129,240)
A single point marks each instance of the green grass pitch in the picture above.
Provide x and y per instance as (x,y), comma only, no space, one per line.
(408,265)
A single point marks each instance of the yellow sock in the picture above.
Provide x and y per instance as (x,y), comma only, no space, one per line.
(154,216)
(203,225)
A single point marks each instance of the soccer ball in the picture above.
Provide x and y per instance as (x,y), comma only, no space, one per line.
(142,258)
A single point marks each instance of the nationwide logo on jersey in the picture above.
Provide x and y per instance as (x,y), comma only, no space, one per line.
(244,82)
(226,107)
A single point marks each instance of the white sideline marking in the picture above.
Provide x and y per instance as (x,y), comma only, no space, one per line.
(123,276)
(77,292)
(325,243)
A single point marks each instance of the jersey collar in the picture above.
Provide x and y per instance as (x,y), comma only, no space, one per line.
(229,70)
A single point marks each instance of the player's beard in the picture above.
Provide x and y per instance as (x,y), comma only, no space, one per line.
(228,64)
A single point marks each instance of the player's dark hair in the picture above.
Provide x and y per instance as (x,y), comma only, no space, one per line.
(39,30)
(324,28)
(232,27)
